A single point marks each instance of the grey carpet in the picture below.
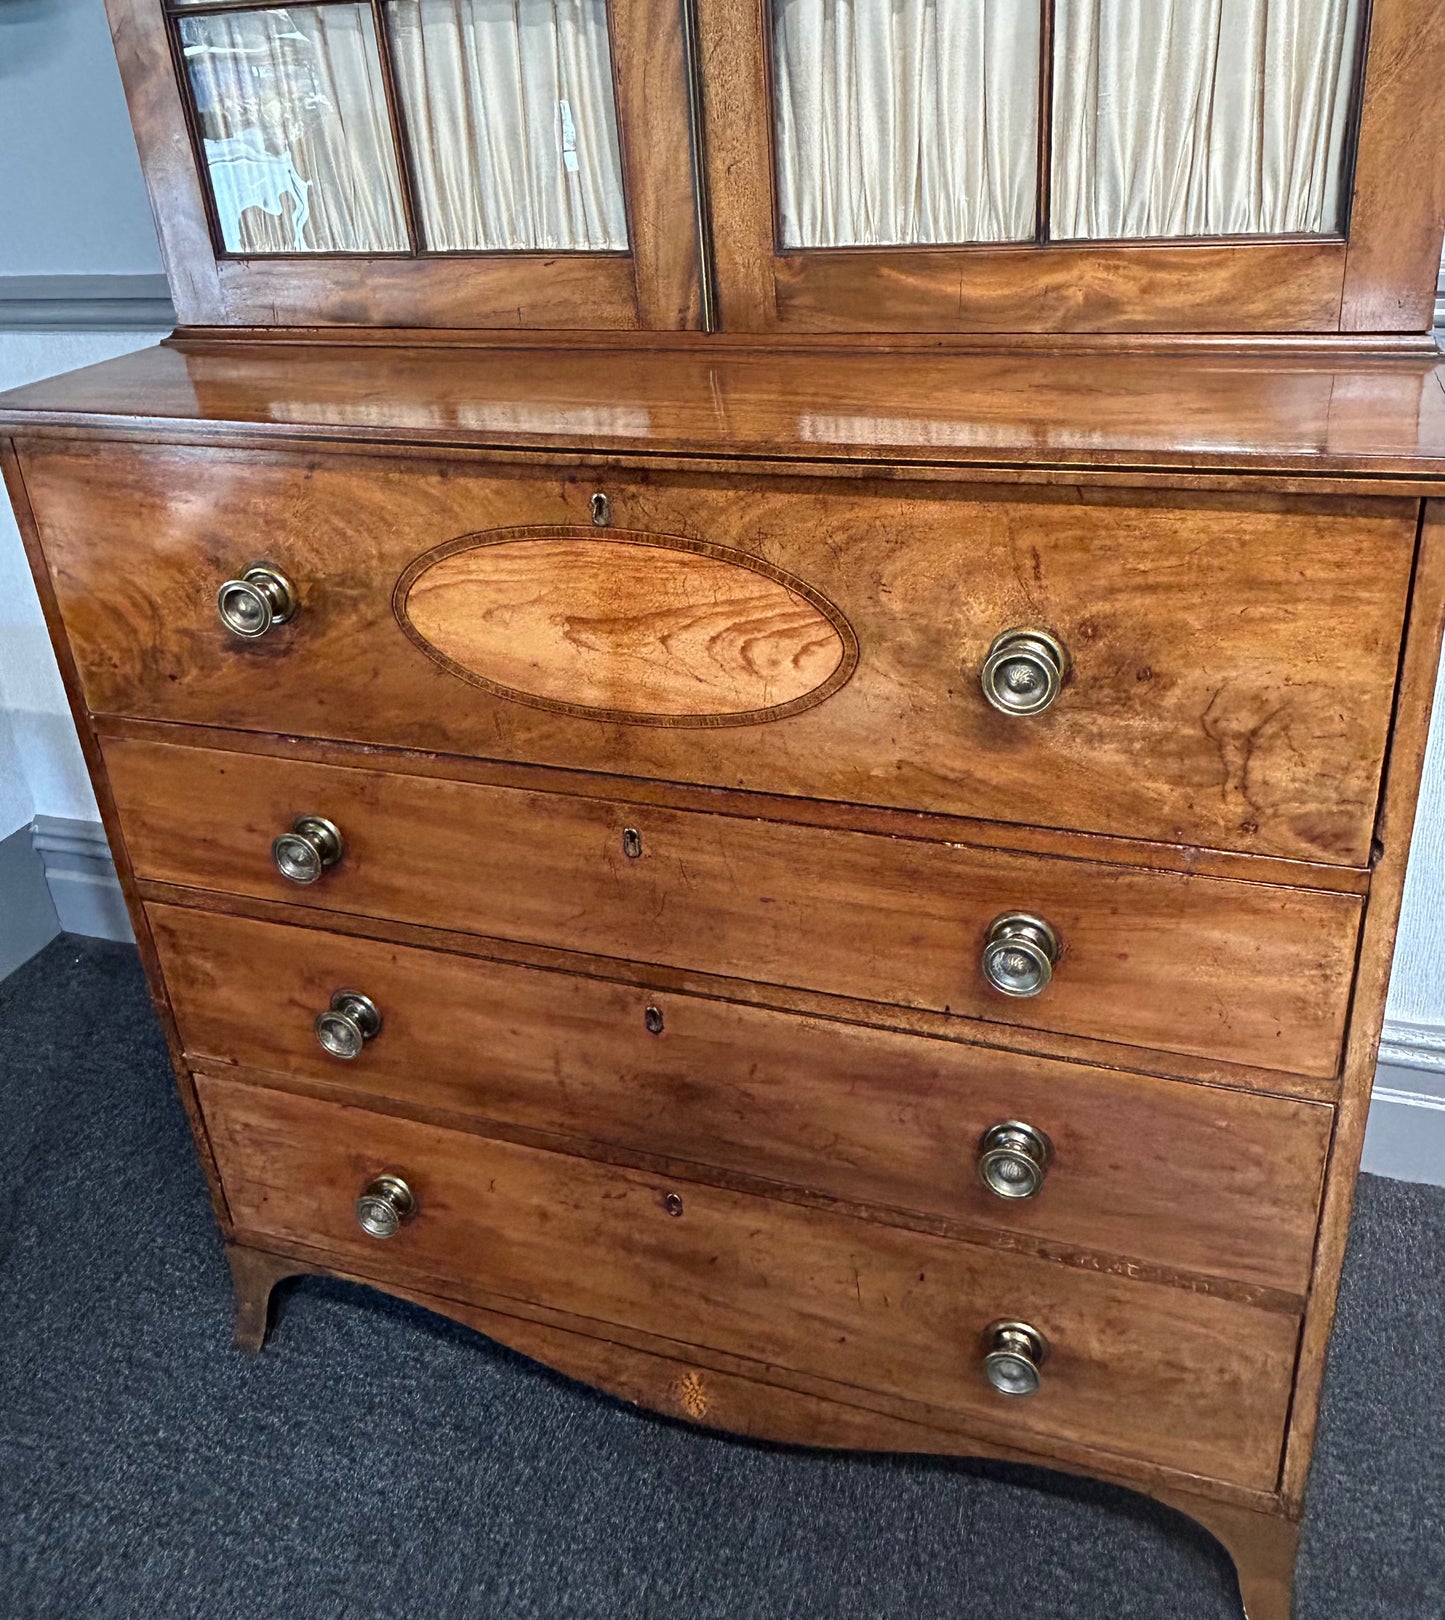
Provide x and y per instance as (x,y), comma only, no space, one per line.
(378,1462)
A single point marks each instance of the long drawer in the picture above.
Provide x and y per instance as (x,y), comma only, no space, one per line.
(1247,972)
(1230,660)
(1177,1378)
(1222,969)
(1187,1176)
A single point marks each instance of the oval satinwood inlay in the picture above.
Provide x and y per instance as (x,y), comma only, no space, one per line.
(643,628)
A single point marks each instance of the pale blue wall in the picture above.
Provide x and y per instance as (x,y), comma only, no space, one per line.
(41,769)
(71,197)
(71,203)
(16,807)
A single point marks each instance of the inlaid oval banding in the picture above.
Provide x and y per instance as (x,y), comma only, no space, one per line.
(640,628)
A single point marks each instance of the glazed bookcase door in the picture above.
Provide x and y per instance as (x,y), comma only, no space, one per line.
(404,163)
(1036,166)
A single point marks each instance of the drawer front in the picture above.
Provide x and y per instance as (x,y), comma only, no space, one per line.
(1178,1378)
(1232,658)
(1247,972)
(1187,1176)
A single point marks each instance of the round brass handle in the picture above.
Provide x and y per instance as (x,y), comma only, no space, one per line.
(385,1206)
(1013,1159)
(1024,671)
(1020,953)
(1013,1354)
(347,1024)
(262,597)
(304,853)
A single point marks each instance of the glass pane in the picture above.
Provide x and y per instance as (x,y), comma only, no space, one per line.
(296,136)
(906,121)
(1208,118)
(512,123)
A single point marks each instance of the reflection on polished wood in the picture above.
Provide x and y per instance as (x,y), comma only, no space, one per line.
(1243,412)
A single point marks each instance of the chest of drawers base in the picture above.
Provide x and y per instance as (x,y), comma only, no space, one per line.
(686,1059)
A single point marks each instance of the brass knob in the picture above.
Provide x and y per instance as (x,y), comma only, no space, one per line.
(1013,1159)
(1013,1354)
(1020,954)
(249,606)
(385,1206)
(304,853)
(348,1024)
(1024,671)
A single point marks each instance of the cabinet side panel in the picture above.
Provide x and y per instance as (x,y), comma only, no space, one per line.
(1395,823)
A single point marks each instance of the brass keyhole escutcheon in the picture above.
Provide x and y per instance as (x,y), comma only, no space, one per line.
(631,843)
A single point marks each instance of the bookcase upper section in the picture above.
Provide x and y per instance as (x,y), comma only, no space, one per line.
(794,167)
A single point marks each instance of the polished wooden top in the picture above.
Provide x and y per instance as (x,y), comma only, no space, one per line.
(1221,411)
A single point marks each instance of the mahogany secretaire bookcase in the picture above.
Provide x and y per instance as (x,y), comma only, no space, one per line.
(758,671)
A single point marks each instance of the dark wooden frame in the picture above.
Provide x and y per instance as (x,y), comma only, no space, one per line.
(655,286)
(1378,279)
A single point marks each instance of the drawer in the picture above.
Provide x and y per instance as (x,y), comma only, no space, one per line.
(1174,1377)
(1243,972)
(1182,1176)
(1231,659)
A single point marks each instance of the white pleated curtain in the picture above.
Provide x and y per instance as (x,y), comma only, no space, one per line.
(915,121)
(1200,117)
(295,132)
(906,121)
(512,123)
(508,106)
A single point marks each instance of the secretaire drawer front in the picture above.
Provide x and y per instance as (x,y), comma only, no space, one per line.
(1248,972)
(1215,670)
(1178,1175)
(1183,1379)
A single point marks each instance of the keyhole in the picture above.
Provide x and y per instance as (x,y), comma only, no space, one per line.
(653,1019)
(631,843)
(601,510)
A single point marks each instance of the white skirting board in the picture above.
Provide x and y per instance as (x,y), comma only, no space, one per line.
(27,913)
(80,875)
(1405,1139)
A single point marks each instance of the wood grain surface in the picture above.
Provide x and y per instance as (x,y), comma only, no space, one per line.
(1189,1176)
(1396,823)
(1261,728)
(625,626)
(1173,1377)
(1247,971)
(1040,413)
(1397,211)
